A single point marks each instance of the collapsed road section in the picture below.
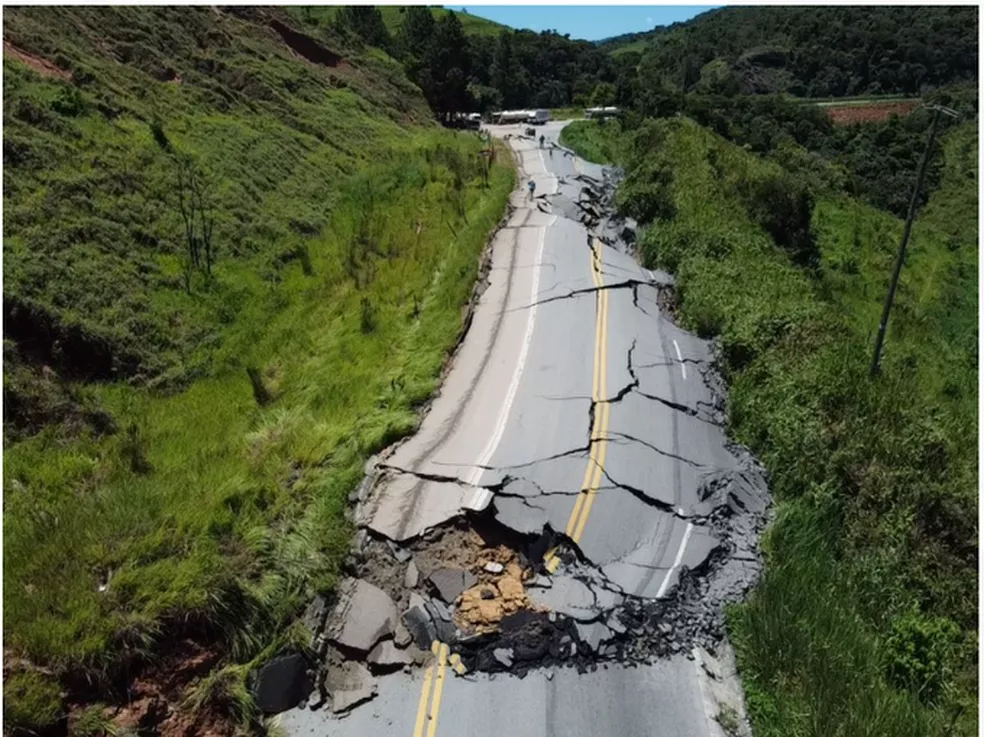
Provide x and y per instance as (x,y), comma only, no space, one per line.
(570,497)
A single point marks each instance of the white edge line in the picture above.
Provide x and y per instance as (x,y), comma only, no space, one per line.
(546,172)
(710,713)
(683,368)
(483,496)
(676,561)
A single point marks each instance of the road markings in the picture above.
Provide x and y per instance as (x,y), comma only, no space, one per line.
(482,496)
(434,676)
(459,667)
(676,561)
(418,727)
(442,659)
(683,366)
(599,429)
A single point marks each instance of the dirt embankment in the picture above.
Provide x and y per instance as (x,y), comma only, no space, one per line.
(42,66)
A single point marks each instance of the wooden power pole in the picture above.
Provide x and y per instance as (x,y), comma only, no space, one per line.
(913,203)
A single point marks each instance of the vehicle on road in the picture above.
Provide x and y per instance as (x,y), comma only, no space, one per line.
(539,117)
(600,112)
(511,116)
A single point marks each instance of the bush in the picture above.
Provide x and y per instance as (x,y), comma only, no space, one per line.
(31,702)
(783,206)
(920,651)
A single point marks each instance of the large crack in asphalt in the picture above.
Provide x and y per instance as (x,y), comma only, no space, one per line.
(483,586)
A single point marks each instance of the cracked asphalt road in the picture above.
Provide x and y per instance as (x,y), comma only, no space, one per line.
(572,404)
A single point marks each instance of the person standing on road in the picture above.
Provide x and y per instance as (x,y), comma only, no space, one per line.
(541,141)
(532,188)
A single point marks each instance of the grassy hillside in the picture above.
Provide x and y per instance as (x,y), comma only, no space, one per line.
(473,25)
(180,438)
(866,621)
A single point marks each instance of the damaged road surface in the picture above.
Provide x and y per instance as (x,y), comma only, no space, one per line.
(552,550)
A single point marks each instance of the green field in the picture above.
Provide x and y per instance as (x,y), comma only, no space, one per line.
(178,460)
(865,622)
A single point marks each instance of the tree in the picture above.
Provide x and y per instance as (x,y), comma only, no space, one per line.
(449,64)
(195,188)
(367,22)
(603,94)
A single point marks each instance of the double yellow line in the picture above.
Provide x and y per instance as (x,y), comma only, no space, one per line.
(599,428)
(433,687)
(428,708)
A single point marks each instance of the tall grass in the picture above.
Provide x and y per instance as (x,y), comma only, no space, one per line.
(242,518)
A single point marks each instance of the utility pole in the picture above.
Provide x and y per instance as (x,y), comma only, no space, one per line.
(937,109)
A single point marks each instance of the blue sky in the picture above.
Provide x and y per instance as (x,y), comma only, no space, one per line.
(591,22)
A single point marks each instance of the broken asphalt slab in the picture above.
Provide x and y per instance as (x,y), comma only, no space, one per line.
(363,616)
(449,583)
(281,684)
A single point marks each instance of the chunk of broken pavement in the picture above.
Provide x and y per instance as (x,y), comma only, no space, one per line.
(387,655)
(412,576)
(281,684)
(349,685)
(504,655)
(363,616)
(419,622)
(450,582)
(401,635)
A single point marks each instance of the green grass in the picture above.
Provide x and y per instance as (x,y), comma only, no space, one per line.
(638,46)
(594,142)
(472,25)
(348,242)
(566,113)
(865,622)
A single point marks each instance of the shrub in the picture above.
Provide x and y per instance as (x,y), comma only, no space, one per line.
(31,701)
(783,206)
(920,650)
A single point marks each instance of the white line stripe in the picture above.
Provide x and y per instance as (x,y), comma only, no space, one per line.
(483,496)
(683,367)
(708,703)
(676,562)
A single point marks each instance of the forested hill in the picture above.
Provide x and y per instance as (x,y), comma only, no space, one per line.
(819,51)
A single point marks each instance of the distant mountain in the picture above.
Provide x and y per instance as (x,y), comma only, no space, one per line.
(813,51)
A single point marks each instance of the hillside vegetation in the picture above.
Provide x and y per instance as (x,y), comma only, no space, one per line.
(866,620)
(393,17)
(189,402)
(817,51)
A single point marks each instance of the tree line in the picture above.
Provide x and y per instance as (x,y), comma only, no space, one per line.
(829,51)
(458,72)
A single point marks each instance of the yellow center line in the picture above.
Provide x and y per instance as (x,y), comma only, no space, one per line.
(418,727)
(602,411)
(599,428)
(442,659)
